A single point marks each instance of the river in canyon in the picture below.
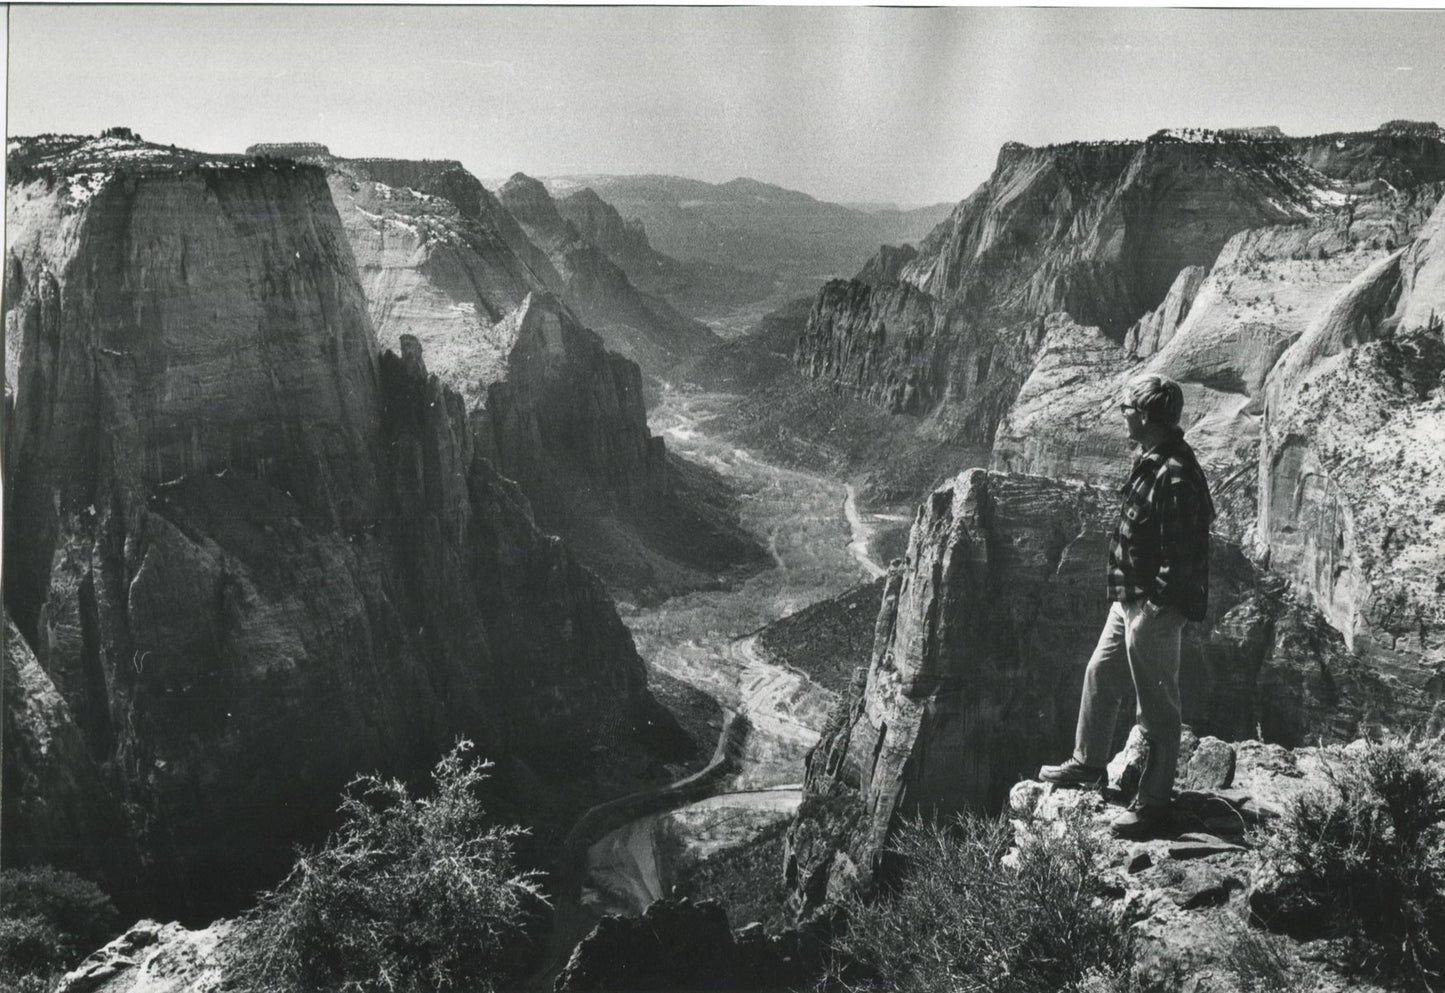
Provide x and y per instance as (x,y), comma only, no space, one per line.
(820,542)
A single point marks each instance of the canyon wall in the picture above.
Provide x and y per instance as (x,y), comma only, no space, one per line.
(249,557)
(1105,233)
(1351,505)
(1219,333)
(443,262)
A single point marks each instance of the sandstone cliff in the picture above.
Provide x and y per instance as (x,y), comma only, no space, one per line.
(644,328)
(1351,503)
(250,557)
(978,659)
(1102,232)
(1219,333)
(443,263)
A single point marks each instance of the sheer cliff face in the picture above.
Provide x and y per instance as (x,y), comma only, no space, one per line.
(568,401)
(643,328)
(1351,461)
(443,264)
(151,330)
(1107,233)
(981,642)
(250,560)
(429,269)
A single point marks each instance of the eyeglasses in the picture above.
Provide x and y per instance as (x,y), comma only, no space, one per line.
(1125,408)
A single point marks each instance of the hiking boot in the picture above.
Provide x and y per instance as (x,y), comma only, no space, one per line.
(1141,821)
(1073,773)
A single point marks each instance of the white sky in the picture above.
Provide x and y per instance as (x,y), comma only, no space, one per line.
(853,103)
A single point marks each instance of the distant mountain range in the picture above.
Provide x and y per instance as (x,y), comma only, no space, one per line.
(753,226)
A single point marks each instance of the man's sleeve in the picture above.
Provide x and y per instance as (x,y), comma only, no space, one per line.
(1179,507)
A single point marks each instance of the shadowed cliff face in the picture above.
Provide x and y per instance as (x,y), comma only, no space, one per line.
(250,559)
(567,398)
(1108,234)
(980,647)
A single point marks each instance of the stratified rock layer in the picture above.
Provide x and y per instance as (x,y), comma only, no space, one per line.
(252,559)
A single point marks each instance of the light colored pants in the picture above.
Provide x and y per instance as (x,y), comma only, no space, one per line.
(1139,644)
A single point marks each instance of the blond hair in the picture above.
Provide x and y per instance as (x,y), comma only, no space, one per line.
(1159,397)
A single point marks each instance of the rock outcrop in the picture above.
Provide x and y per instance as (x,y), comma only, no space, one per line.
(252,558)
(978,659)
(644,328)
(1199,897)
(155,958)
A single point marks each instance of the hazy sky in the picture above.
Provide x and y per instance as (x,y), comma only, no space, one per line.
(905,105)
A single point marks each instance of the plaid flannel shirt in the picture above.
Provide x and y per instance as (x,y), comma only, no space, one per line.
(1160,548)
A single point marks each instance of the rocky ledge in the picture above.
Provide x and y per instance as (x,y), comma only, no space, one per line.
(1202,894)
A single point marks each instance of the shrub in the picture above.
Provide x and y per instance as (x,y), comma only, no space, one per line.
(1366,852)
(962,917)
(745,878)
(1264,963)
(409,894)
(51,919)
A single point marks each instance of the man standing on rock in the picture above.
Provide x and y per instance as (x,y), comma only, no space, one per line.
(1158,579)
